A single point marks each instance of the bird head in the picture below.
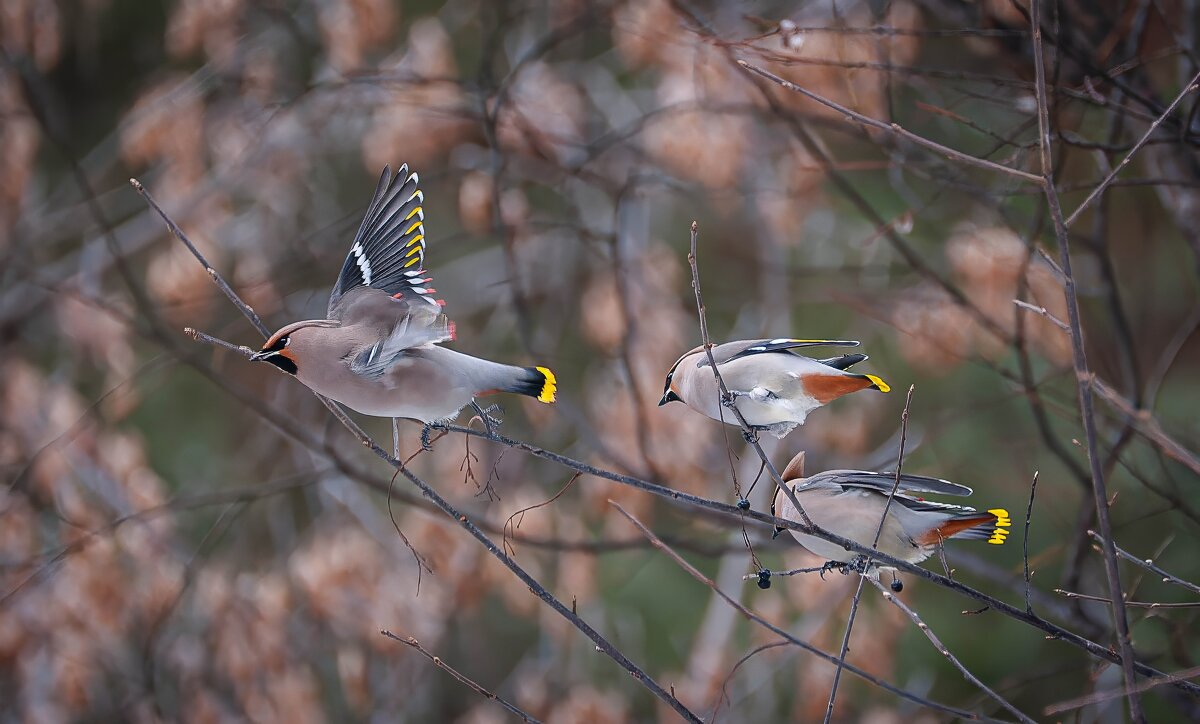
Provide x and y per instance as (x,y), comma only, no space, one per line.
(280,350)
(669,393)
(275,351)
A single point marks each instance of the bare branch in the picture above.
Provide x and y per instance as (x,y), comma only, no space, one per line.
(227,290)
(1191,86)
(695,573)
(941,648)
(461,678)
(1149,565)
(896,128)
(1120,619)
(837,675)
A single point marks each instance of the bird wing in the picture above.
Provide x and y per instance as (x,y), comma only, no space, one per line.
(417,326)
(883,483)
(844,362)
(389,249)
(735,350)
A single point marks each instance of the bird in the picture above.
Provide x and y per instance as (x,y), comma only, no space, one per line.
(378,349)
(851,503)
(772,386)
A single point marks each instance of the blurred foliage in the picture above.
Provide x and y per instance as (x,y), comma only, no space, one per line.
(165,554)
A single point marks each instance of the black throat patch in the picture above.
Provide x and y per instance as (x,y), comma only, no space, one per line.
(282,363)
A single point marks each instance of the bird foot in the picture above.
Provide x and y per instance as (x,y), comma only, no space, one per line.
(831,566)
(750,435)
(857,564)
(730,397)
(428,427)
(490,422)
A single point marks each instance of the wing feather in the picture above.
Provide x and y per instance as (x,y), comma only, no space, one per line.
(884,481)
(388,252)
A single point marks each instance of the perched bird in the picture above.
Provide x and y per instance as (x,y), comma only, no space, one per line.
(377,350)
(850,503)
(772,386)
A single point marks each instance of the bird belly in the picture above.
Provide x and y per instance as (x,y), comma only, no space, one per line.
(431,402)
(772,410)
(855,514)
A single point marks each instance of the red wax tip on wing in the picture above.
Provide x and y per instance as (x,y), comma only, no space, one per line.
(453,331)
(398,295)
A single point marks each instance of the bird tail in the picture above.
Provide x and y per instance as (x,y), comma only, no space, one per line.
(991,526)
(877,383)
(536,382)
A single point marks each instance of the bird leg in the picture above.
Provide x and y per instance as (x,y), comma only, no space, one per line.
(396,438)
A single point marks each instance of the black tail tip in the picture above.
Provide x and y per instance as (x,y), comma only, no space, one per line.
(538,382)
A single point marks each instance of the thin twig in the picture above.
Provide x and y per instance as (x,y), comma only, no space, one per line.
(1045,313)
(1143,421)
(747,431)
(1147,426)
(245,309)
(789,572)
(896,128)
(1025,541)
(1149,565)
(1082,377)
(1137,604)
(1191,86)
(510,526)
(461,678)
(941,648)
(1102,696)
(750,615)
(837,675)
(724,695)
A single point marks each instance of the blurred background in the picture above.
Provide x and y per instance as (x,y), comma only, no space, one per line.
(168,554)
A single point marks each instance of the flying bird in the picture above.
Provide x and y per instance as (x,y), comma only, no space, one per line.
(378,349)
(772,386)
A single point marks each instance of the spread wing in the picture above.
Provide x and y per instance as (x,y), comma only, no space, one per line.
(735,350)
(883,482)
(389,249)
(421,325)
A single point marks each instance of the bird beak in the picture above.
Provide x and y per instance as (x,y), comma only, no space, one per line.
(663,401)
(261,356)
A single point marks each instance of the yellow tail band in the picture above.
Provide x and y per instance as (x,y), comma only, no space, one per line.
(549,386)
(1003,521)
(879,383)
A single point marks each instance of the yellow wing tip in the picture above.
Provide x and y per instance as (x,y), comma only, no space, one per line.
(549,385)
(879,383)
